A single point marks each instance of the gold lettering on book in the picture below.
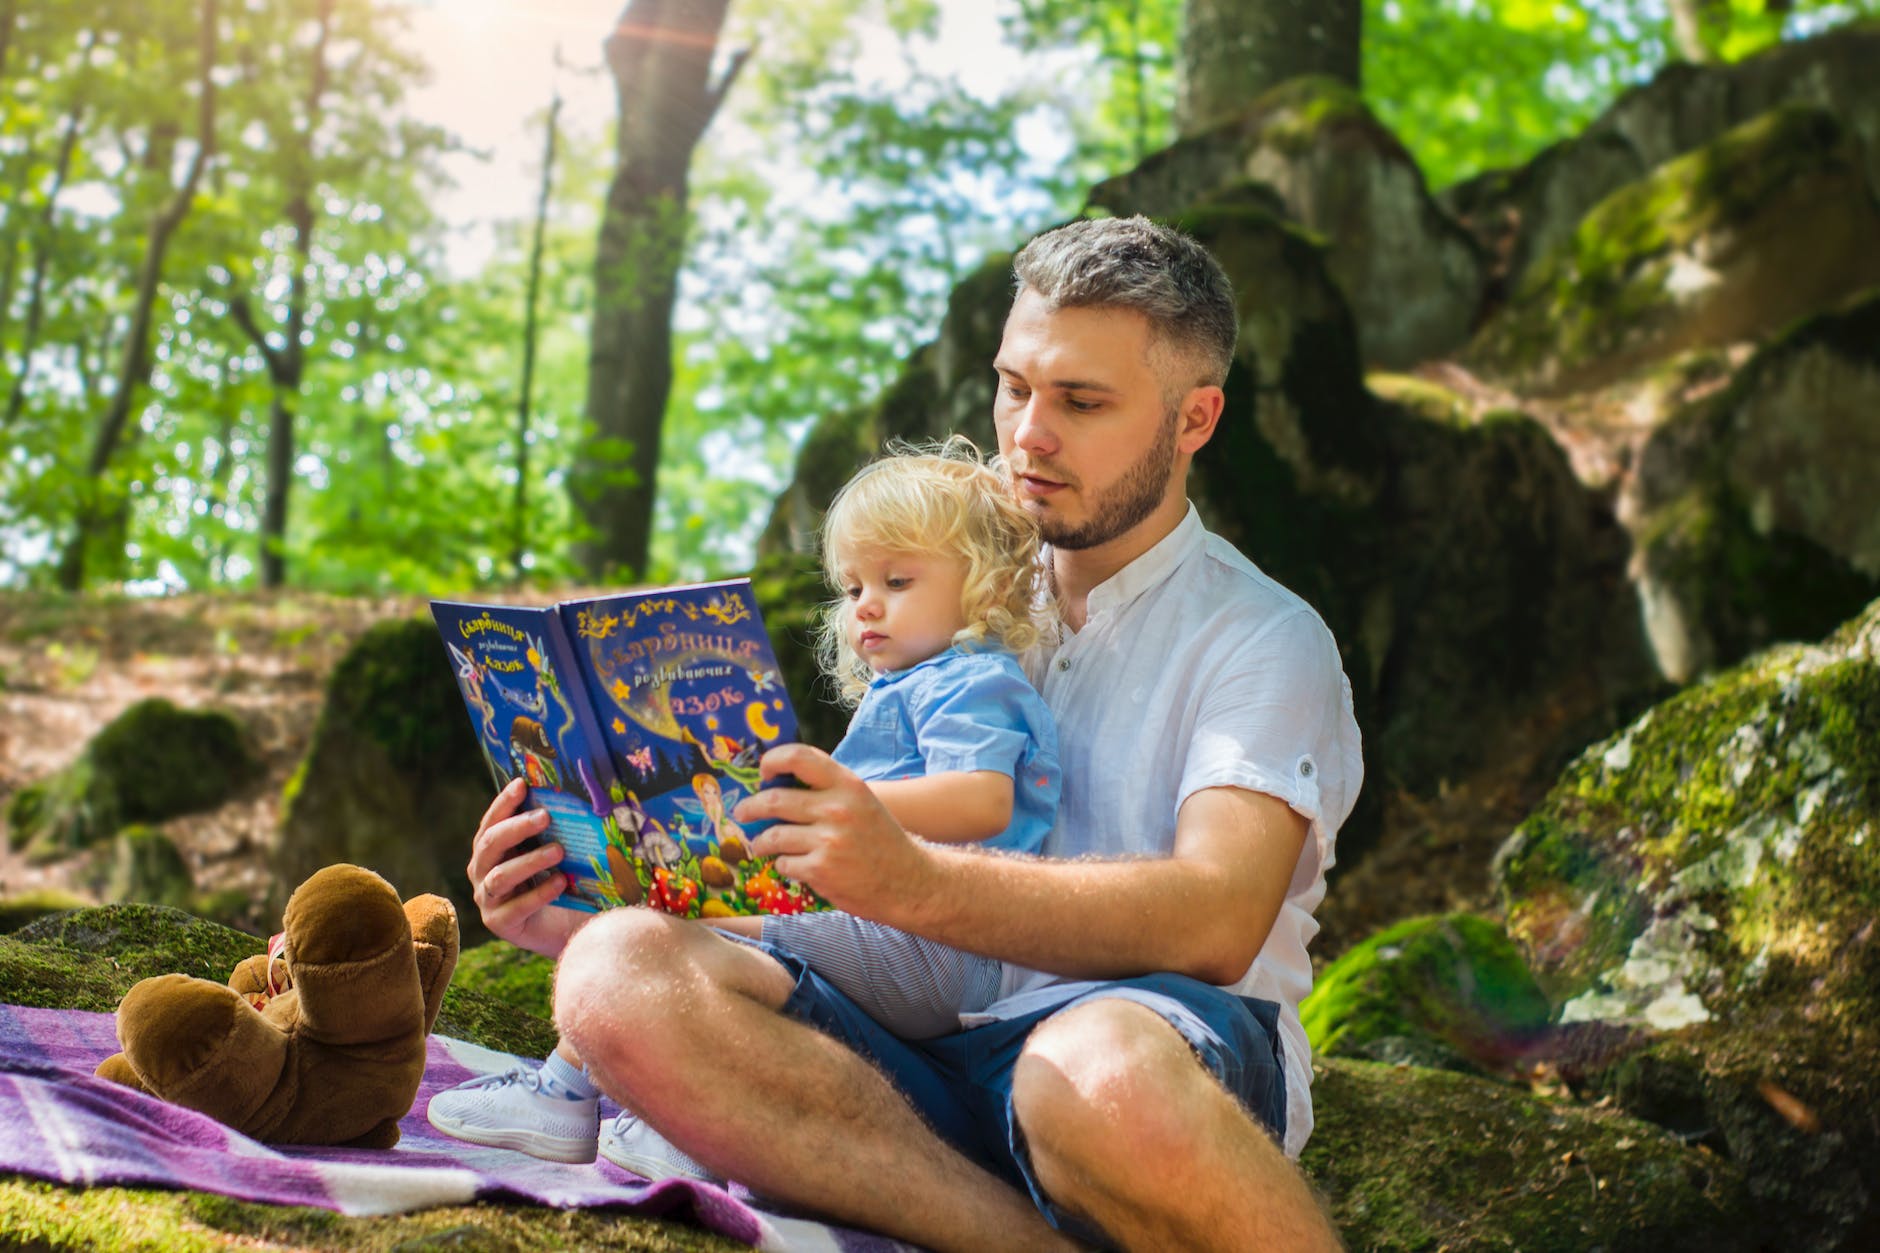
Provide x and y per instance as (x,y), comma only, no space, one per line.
(483,622)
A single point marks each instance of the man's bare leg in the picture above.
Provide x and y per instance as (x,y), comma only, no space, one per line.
(1126,1128)
(682,1026)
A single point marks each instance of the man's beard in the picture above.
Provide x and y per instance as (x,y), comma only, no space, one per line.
(1133,498)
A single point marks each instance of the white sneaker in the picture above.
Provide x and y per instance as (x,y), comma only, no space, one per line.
(630,1144)
(511,1111)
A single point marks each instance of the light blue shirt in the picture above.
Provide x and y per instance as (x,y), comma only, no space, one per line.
(962,710)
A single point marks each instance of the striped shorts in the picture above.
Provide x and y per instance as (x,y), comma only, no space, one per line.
(915,988)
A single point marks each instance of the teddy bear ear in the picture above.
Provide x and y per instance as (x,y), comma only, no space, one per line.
(434,935)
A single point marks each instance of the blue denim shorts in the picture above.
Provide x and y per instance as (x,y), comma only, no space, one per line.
(961,1084)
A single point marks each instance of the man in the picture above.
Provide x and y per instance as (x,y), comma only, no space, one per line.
(1147,1053)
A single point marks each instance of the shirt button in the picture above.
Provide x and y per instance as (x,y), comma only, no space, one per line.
(1305,770)
(1064,663)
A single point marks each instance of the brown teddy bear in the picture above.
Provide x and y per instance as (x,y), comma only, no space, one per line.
(328,1052)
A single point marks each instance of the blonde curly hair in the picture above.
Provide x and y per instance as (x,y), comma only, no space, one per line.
(937,498)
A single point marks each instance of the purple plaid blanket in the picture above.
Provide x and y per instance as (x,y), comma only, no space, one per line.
(58,1122)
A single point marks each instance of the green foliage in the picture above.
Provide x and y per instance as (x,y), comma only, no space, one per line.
(853,177)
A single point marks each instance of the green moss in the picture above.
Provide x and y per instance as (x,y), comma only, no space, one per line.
(1456,981)
(150,763)
(146,866)
(1582,299)
(790,591)
(1295,114)
(494,1021)
(387,689)
(1431,402)
(1731,832)
(513,976)
(130,942)
(43,1216)
(18,910)
(1420,1160)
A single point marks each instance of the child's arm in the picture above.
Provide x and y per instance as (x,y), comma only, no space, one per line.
(953,807)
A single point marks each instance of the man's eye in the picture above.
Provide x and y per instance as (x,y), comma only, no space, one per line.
(1083,406)
(1016,393)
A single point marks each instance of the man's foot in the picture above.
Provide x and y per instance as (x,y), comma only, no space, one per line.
(511,1111)
(631,1145)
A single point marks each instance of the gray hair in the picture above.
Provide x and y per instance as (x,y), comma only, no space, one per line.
(1155,270)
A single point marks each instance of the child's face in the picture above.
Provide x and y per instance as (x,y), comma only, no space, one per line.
(902,608)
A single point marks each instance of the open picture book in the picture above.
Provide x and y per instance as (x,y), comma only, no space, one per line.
(637,721)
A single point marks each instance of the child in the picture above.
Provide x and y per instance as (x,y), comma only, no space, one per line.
(937,570)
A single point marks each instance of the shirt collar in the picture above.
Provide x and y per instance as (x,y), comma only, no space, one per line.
(1151,569)
(894,676)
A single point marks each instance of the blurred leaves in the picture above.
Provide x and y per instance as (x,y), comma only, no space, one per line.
(861,168)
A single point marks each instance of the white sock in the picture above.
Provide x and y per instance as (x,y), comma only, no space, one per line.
(566,1081)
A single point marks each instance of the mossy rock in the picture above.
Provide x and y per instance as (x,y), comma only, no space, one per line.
(791,593)
(1413,1159)
(144,865)
(28,907)
(1706,883)
(394,779)
(1521,215)
(151,763)
(509,975)
(1752,509)
(1770,221)
(1411,276)
(1454,983)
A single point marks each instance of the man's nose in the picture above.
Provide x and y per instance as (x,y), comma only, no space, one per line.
(1030,431)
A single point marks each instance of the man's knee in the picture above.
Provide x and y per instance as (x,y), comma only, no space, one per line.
(617,970)
(1106,1079)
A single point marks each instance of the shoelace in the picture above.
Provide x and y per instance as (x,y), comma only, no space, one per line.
(531,1079)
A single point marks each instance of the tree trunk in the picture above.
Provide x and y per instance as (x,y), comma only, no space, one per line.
(519,542)
(287,363)
(660,54)
(95,511)
(42,233)
(1233,51)
(9,16)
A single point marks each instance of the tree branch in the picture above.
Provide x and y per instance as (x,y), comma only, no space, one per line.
(244,317)
(715,94)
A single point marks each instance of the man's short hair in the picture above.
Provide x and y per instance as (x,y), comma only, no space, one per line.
(1155,270)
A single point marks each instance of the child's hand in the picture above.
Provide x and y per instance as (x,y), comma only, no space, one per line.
(833,834)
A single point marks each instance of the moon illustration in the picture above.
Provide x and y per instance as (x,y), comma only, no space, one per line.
(759,719)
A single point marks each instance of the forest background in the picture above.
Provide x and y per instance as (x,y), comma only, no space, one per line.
(1555,397)
(249,336)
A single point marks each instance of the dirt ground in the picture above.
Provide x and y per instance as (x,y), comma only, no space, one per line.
(68,665)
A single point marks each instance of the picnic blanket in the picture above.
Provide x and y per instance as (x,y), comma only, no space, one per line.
(59,1122)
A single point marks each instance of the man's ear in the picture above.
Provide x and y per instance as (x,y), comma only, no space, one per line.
(1200,414)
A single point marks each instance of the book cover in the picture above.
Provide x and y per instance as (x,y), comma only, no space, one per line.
(638,720)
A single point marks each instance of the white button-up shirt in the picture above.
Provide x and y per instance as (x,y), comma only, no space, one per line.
(1195,670)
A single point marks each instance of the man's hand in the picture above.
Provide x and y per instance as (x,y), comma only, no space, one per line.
(832,833)
(497,871)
